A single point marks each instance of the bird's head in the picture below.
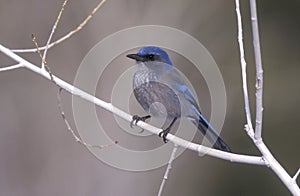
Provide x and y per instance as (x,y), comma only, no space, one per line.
(151,53)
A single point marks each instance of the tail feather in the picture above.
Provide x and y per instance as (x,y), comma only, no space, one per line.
(212,135)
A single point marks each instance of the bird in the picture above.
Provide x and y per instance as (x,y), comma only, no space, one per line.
(156,80)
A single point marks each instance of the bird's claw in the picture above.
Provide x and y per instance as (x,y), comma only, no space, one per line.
(163,134)
(136,119)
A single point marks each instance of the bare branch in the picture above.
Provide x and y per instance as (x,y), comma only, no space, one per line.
(11,67)
(169,167)
(259,70)
(256,137)
(243,65)
(77,138)
(77,29)
(296,175)
(43,60)
(53,31)
(60,107)
(273,164)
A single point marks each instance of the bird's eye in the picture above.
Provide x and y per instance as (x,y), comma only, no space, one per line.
(151,57)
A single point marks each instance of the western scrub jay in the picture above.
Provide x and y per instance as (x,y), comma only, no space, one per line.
(157,81)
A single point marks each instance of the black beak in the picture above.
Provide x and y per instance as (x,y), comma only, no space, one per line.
(136,57)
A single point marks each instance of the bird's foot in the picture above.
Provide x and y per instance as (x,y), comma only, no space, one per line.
(163,134)
(136,119)
(166,131)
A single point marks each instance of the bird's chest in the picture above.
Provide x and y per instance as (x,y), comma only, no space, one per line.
(149,91)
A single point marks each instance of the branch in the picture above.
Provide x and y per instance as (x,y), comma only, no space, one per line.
(256,160)
(259,70)
(278,169)
(52,32)
(77,138)
(11,67)
(248,127)
(256,137)
(77,29)
(296,175)
(44,63)
(169,167)
(46,68)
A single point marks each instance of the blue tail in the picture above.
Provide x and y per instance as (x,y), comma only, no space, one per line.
(211,134)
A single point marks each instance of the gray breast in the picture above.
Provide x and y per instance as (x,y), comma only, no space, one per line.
(151,92)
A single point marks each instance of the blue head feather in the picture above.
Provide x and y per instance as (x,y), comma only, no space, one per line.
(148,50)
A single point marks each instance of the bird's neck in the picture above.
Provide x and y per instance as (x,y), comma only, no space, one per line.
(150,71)
(144,74)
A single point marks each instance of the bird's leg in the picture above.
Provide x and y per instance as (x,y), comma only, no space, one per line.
(136,119)
(165,132)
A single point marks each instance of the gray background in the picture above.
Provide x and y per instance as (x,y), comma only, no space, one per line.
(39,157)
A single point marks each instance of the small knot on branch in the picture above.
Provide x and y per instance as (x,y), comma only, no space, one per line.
(249,131)
(258,84)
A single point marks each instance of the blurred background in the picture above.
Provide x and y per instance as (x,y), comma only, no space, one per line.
(38,156)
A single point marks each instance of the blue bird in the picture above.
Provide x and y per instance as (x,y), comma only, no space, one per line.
(157,81)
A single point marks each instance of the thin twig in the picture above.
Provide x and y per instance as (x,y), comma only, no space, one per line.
(169,167)
(60,107)
(11,67)
(259,70)
(296,175)
(77,29)
(77,138)
(43,60)
(244,70)
(53,31)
